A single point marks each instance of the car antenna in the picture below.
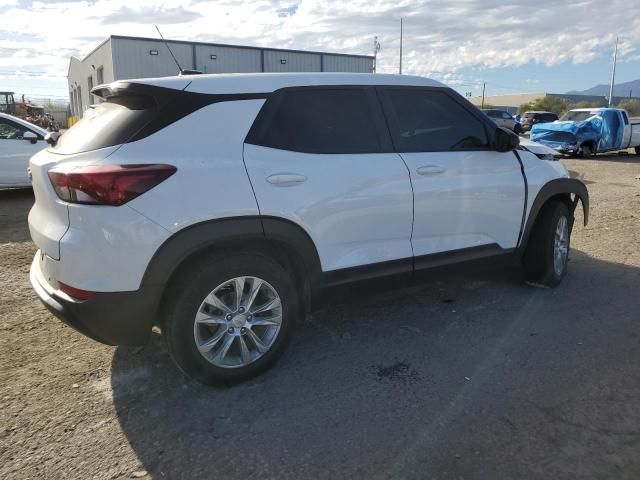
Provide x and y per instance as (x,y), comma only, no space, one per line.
(181,71)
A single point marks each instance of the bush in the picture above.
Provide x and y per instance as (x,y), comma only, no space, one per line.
(631,105)
(546,104)
(585,104)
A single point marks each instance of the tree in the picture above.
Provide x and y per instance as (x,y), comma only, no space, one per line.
(631,105)
(586,104)
(556,105)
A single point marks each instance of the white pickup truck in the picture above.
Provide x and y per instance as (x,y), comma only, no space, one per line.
(587,131)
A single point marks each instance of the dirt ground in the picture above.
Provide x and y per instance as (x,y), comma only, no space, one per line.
(465,378)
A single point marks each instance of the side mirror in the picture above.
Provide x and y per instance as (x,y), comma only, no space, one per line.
(32,137)
(505,140)
(52,138)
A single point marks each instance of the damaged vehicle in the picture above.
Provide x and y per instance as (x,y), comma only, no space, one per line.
(587,131)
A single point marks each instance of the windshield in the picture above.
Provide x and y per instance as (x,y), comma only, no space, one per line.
(578,116)
(106,124)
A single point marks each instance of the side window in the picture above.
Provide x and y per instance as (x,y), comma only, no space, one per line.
(423,120)
(625,119)
(505,115)
(9,130)
(90,86)
(325,121)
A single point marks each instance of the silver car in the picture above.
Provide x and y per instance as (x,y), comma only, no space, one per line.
(502,119)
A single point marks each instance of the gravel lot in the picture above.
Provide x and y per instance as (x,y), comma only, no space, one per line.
(466,378)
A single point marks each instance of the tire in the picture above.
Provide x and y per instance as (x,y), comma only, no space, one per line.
(586,151)
(539,261)
(637,149)
(213,275)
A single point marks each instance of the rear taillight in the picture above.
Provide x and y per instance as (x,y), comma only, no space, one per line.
(75,293)
(107,184)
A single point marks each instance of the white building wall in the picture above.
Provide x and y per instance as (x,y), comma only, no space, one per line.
(344,63)
(125,58)
(227,59)
(283,61)
(80,72)
(133,58)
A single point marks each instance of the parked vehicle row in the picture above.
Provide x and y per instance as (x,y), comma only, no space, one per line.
(503,119)
(529,119)
(223,207)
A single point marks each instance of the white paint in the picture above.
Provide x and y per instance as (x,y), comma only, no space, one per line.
(16,152)
(356,208)
(465,199)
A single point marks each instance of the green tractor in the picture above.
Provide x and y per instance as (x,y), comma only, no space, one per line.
(7,103)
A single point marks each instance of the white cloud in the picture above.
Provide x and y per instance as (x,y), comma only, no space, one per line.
(440,36)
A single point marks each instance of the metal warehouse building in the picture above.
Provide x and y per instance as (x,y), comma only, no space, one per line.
(120,57)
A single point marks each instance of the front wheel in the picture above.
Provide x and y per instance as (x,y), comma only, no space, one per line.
(637,149)
(587,151)
(545,259)
(230,316)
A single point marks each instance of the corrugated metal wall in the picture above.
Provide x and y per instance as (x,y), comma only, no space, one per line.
(282,61)
(342,63)
(217,59)
(124,58)
(132,58)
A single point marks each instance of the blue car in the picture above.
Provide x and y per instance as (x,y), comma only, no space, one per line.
(587,131)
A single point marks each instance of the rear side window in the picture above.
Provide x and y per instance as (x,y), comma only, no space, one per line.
(108,123)
(423,120)
(323,121)
(624,117)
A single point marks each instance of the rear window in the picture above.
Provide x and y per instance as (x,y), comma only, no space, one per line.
(578,116)
(109,123)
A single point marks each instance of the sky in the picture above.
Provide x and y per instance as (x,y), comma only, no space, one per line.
(513,46)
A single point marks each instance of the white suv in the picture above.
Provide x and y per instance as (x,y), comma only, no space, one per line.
(222,207)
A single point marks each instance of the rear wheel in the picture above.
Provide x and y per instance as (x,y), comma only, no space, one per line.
(547,254)
(230,316)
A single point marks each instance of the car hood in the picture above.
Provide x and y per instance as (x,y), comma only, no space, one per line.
(568,132)
(536,148)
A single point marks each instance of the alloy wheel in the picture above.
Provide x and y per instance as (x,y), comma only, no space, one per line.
(238,322)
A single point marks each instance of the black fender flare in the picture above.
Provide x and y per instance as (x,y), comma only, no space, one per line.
(184,244)
(558,186)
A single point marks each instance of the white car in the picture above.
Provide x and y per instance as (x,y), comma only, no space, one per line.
(19,141)
(221,208)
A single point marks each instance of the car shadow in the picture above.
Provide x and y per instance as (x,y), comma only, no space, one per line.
(15,204)
(455,376)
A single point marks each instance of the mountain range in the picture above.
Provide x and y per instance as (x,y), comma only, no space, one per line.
(619,90)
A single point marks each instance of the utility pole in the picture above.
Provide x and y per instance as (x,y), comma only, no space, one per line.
(400,70)
(613,72)
(376,49)
(484,84)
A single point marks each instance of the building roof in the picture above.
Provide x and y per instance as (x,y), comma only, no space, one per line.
(268,82)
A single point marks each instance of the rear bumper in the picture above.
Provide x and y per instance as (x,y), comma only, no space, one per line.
(114,318)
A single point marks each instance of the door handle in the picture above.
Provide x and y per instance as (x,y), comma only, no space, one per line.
(286,179)
(430,170)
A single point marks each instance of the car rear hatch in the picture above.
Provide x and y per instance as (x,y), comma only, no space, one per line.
(49,216)
(128,108)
